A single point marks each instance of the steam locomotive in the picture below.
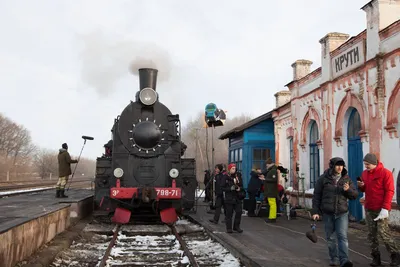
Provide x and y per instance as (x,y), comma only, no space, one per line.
(143,173)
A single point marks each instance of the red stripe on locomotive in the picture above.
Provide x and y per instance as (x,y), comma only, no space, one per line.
(119,192)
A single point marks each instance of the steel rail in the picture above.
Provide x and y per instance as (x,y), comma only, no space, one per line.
(110,246)
(186,250)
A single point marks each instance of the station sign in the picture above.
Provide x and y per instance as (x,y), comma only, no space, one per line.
(348,60)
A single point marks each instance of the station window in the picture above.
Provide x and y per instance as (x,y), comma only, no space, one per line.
(236,158)
(291,175)
(260,155)
(314,154)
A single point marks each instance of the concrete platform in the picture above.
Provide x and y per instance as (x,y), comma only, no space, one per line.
(30,221)
(284,243)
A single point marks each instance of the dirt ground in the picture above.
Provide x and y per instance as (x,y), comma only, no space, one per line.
(47,253)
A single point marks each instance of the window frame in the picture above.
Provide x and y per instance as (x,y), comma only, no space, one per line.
(260,162)
(314,154)
(237,158)
(291,159)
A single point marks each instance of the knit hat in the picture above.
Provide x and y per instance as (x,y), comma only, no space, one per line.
(65,146)
(220,167)
(230,166)
(371,159)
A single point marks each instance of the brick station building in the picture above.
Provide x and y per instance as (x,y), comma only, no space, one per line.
(347,107)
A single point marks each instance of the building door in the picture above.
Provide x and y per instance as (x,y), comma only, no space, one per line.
(355,160)
(314,154)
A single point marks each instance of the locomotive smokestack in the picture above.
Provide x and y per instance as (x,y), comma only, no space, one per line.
(148,78)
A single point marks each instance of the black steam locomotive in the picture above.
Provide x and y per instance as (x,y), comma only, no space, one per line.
(143,173)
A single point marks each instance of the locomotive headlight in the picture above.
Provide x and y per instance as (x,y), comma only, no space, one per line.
(148,96)
(173,173)
(118,172)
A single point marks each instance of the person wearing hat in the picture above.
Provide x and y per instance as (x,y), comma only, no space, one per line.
(108,149)
(232,188)
(219,199)
(64,170)
(271,175)
(378,184)
(330,199)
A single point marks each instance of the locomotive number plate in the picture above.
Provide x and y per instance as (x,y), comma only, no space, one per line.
(170,192)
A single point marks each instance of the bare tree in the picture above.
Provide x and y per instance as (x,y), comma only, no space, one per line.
(45,162)
(19,155)
(15,145)
(199,142)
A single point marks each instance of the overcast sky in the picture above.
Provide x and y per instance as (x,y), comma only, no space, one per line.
(65,64)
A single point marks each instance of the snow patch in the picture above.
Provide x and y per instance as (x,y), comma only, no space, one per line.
(310,191)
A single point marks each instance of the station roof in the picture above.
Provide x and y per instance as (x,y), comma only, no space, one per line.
(239,129)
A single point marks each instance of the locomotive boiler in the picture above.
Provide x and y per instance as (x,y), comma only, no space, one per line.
(143,173)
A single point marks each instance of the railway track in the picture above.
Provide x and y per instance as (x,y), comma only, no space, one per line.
(14,190)
(6,187)
(184,244)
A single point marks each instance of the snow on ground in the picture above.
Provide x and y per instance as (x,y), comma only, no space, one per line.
(209,250)
(144,245)
(146,249)
(200,193)
(310,191)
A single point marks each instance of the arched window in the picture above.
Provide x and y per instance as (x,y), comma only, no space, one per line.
(314,154)
(354,125)
(291,161)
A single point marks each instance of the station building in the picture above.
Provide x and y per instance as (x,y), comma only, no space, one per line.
(251,144)
(347,107)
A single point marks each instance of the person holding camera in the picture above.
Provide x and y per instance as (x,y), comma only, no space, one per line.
(330,199)
(232,187)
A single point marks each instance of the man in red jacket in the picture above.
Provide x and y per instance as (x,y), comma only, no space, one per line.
(378,184)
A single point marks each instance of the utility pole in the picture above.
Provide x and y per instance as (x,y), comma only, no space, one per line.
(198,147)
(196,138)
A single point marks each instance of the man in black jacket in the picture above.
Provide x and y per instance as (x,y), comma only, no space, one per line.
(330,199)
(219,199)
(253,189)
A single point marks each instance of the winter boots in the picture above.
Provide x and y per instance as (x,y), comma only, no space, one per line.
(395,259)
(376,259)
(60,193)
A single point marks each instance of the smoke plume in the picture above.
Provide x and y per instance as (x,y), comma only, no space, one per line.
(106,60)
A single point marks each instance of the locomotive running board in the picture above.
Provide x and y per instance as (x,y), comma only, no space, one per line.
(121,216)
(168,216)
